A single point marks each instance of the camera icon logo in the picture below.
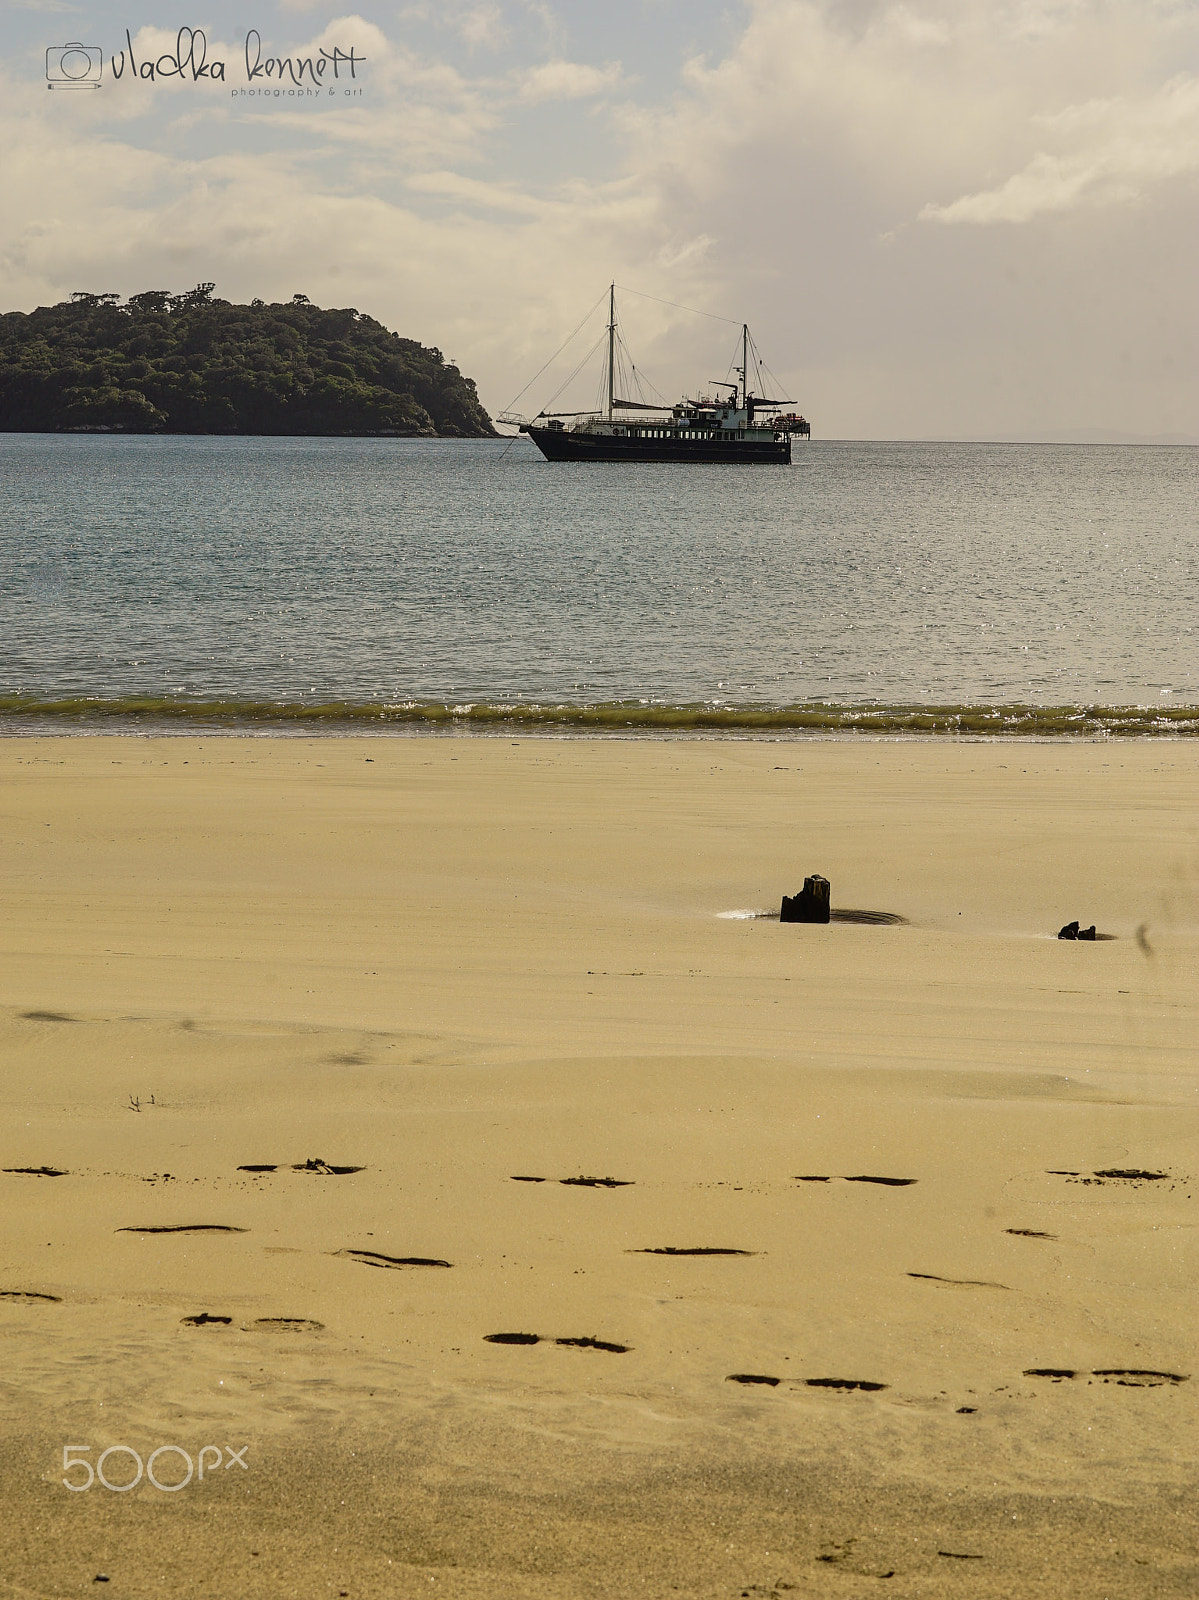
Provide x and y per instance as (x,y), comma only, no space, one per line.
(74,66)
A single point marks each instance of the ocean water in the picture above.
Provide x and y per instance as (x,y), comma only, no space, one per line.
(290,582)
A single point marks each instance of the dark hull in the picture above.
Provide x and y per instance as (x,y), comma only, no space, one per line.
(556,444)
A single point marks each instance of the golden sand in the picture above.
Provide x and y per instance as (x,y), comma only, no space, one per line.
(457,966)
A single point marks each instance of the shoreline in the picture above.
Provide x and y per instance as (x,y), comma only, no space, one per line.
(132,715)
(598,735)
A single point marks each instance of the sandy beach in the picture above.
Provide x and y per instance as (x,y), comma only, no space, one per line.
(308,1044)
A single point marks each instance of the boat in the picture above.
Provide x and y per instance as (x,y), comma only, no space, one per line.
(740,427)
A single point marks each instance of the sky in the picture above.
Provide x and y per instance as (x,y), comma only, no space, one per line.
(941,218)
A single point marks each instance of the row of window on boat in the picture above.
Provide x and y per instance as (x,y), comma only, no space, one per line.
(677,433)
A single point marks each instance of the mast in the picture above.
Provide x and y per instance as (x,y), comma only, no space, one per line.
(744,366)
(611,344)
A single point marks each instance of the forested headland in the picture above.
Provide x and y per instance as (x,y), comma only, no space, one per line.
(190,363)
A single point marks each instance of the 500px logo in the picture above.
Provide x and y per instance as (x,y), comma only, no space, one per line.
(211,1455)
(81,66)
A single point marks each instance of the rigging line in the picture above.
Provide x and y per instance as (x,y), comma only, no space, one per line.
(776,383)
(773,376)
(644,385)
(633,376)
(695,311)
(648,386)
(618,359)
(623,380)
(648,392)
(762,366)
(568,381)
(601,387)
(629,377)
(553,358)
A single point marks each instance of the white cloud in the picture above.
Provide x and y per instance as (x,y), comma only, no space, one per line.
(1123,151)
(566,80)
(481,26)
(474,193)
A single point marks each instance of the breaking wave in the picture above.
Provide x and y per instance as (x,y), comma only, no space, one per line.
(18,712)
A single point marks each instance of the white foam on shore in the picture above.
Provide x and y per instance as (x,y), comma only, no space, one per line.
(744,915)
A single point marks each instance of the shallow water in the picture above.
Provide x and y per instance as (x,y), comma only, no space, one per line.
(878,587)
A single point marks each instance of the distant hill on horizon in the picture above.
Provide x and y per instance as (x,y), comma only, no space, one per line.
(190,363)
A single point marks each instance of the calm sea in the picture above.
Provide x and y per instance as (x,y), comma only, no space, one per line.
(289,583)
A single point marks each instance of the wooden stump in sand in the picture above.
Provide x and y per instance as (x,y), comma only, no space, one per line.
(812,904)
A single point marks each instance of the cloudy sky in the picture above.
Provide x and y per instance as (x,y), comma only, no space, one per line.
(941,218)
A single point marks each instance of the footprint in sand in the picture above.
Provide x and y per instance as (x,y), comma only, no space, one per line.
(1129,1175)
(587,1342)
(285,1325)
(1030,1233)
(890,1183)
(1126,1377)
(1136,1176)
(689,1250)
(960,1283)
(313,1164)
(186,1227)
(46,1016)
(1136,1378)
(375,1258)
(590,1343)
(1104,1186)
(845,1385)
(577,1183)
(30,1296)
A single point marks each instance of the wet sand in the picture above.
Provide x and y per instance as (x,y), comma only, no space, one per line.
(888,1285)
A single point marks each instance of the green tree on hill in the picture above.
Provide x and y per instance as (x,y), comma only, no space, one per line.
(189,363)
